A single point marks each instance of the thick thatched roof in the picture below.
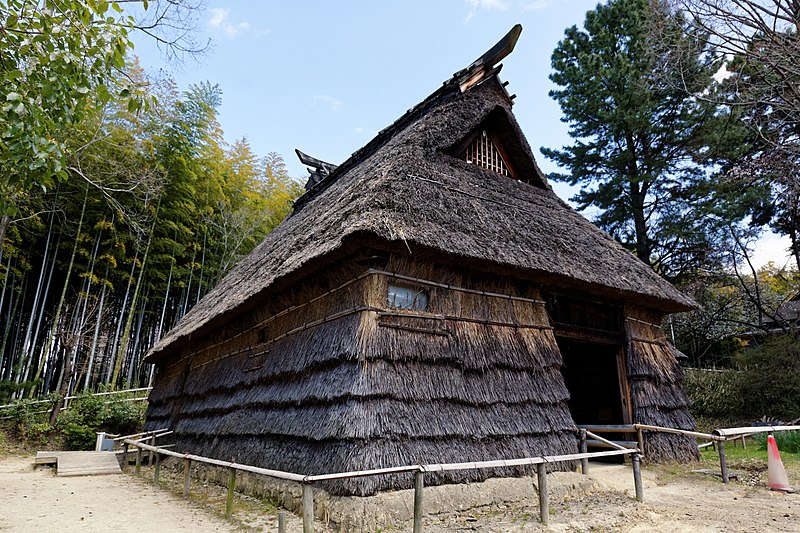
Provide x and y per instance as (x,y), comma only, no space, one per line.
(406,190)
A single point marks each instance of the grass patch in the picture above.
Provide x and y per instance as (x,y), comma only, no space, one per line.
(751,460)
(787,441)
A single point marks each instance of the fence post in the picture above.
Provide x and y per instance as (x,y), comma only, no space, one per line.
(282,522)
(636,461)
(419,483)
(584,448)
(150,452)
(640,439)
(124,456)
(187,475)
(157,469)
(231,489)
(544,506)
(723,462)
(138,461)
(308,508)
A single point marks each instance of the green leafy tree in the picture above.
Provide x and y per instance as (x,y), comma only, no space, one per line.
(54,58)
(643,146)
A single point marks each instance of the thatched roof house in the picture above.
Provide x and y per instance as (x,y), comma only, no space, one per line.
(428,300)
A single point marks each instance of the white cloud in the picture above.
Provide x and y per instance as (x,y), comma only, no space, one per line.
(536,5)
(220,21)
(499,5)
(487,5)
(333,103)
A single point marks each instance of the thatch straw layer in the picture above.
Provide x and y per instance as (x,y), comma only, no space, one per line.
(356,392)
(407,190)
(656,387)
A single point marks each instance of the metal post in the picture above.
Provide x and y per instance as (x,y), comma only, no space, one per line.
(636,461)
(124,456)
(282,522)
(231,489)
(187,475)
(544,506)
(584,447)
(419,483)
(308,509)
(138,461)
(157,470)
(723,463)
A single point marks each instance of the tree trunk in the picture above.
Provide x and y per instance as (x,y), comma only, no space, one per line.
(59,308)
(129,322)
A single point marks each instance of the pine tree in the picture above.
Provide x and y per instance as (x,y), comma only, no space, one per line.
(642,154)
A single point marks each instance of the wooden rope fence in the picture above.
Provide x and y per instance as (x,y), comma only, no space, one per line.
(718,437)
(419,471)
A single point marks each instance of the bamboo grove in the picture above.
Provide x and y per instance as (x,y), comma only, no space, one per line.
(156,207)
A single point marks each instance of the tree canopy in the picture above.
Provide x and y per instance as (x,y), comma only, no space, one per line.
(645,147)
(116,217)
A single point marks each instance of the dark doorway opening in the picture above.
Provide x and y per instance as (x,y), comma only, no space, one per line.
(592,375)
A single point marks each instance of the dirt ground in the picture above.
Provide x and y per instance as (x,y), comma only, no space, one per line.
(698,503)
(36,500)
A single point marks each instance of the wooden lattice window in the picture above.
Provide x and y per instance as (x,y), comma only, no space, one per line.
(484,153)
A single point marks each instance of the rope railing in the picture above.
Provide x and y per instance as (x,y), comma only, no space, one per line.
(419,471)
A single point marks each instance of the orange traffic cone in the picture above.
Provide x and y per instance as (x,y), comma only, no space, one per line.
(775,471)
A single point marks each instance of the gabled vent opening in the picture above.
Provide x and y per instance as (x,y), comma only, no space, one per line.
(484,153)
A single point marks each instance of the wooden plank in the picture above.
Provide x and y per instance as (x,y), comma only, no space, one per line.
(80,463)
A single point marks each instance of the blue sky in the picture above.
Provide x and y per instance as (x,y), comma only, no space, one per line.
(325,77)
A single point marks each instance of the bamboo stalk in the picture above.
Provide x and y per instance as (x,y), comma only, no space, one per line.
(695,434)
(606,441)
(736,432)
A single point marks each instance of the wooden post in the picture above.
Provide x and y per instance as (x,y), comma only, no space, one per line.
(419,483)
(138,461)
(583,448)
(231,490)
(157,469)
(282,522)
(640,439)
(187,475)
(636,461)
(308,509)
(723,463)
(744,444)
(124,456)
(150,452)
(544,506)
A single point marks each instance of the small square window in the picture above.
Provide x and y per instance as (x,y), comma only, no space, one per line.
(407,298)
